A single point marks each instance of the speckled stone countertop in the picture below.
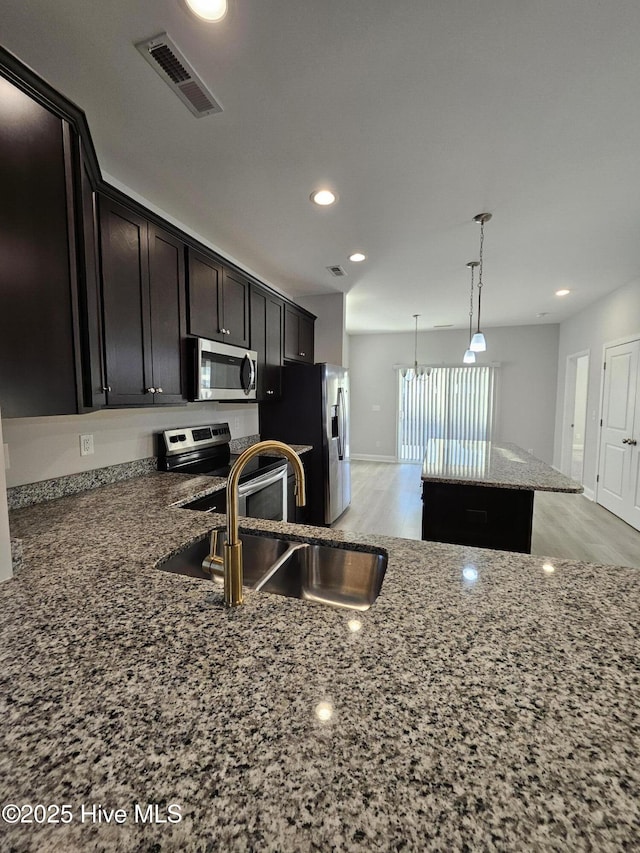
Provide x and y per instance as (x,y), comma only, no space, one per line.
(485,463)
(484,703)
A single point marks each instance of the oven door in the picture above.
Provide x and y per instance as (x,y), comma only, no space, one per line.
(265,496)
(224,372)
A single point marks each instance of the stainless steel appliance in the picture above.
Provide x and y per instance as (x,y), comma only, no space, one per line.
(204,450)
(223,372)
(314,410)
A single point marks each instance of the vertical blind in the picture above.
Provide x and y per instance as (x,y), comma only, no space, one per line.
(450,403)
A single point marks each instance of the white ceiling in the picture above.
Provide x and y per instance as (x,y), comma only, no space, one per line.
(420,113)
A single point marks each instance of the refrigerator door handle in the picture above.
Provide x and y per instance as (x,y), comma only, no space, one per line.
(341,424)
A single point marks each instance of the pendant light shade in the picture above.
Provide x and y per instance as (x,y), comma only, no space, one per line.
(469,357)
(478,342)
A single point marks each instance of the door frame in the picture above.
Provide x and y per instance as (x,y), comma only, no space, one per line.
(570,375)
(626,339)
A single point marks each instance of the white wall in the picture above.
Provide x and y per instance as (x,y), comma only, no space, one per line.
(6,570)
(330,337)
(527,383)
(42,448)
(608,320)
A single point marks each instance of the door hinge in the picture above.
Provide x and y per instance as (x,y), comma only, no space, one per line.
(600,421)
(604,366)
(597,478)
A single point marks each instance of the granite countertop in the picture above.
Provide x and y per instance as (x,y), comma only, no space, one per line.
(485,463)
(487,701)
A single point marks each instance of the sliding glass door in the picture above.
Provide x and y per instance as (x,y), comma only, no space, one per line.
(450,403)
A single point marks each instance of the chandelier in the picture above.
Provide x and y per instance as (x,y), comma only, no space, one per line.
(409,373)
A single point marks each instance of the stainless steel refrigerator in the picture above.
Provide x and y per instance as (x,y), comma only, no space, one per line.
(314,409)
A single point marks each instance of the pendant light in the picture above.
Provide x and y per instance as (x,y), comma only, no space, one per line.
(409,373)
(478,343)
(470,356)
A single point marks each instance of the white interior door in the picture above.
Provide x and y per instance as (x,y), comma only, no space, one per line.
(579,422)
(618,480)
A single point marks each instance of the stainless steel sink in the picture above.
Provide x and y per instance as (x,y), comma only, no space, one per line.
(329,574)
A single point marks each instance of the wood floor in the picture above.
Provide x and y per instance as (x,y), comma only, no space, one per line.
(386,499)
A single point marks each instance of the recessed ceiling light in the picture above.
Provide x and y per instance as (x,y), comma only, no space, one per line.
(562,292)
(208,10)
(323,197)
(356,257)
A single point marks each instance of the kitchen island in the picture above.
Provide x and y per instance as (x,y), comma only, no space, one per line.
(487,700)
(481,493)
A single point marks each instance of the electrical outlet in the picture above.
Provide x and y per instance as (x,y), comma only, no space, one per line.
(86,445)
(375,407)
(7,462)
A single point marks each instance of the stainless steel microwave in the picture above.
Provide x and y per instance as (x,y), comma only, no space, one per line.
(224,372)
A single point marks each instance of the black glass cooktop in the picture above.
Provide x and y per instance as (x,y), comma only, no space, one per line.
(212,468)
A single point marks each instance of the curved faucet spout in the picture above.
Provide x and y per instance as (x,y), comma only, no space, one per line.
(233,546)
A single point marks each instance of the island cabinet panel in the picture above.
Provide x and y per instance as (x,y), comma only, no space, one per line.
(266,339)
(484,516)
(38,368)
(218,301)
(143,302)
(298,336)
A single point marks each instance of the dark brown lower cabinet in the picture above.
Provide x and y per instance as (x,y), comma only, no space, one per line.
(143,287)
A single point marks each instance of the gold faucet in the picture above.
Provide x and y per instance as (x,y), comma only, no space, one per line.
(232,554)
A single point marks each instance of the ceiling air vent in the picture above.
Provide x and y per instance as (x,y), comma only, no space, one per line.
(336,271)
(163,55)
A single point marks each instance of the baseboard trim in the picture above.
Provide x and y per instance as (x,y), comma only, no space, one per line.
(368,457)
(589,494)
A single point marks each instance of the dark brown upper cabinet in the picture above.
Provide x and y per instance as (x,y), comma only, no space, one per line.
(235,308)
(267,320)
(298,335)
(218,301)
(143,287)
(42,359)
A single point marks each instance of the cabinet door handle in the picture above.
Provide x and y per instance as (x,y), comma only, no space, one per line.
(632,442)
(151,390)
(302,354)
(227,331)
(106,389)
(270,392)
(159,391)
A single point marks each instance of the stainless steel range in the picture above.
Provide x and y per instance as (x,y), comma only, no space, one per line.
(205,451)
